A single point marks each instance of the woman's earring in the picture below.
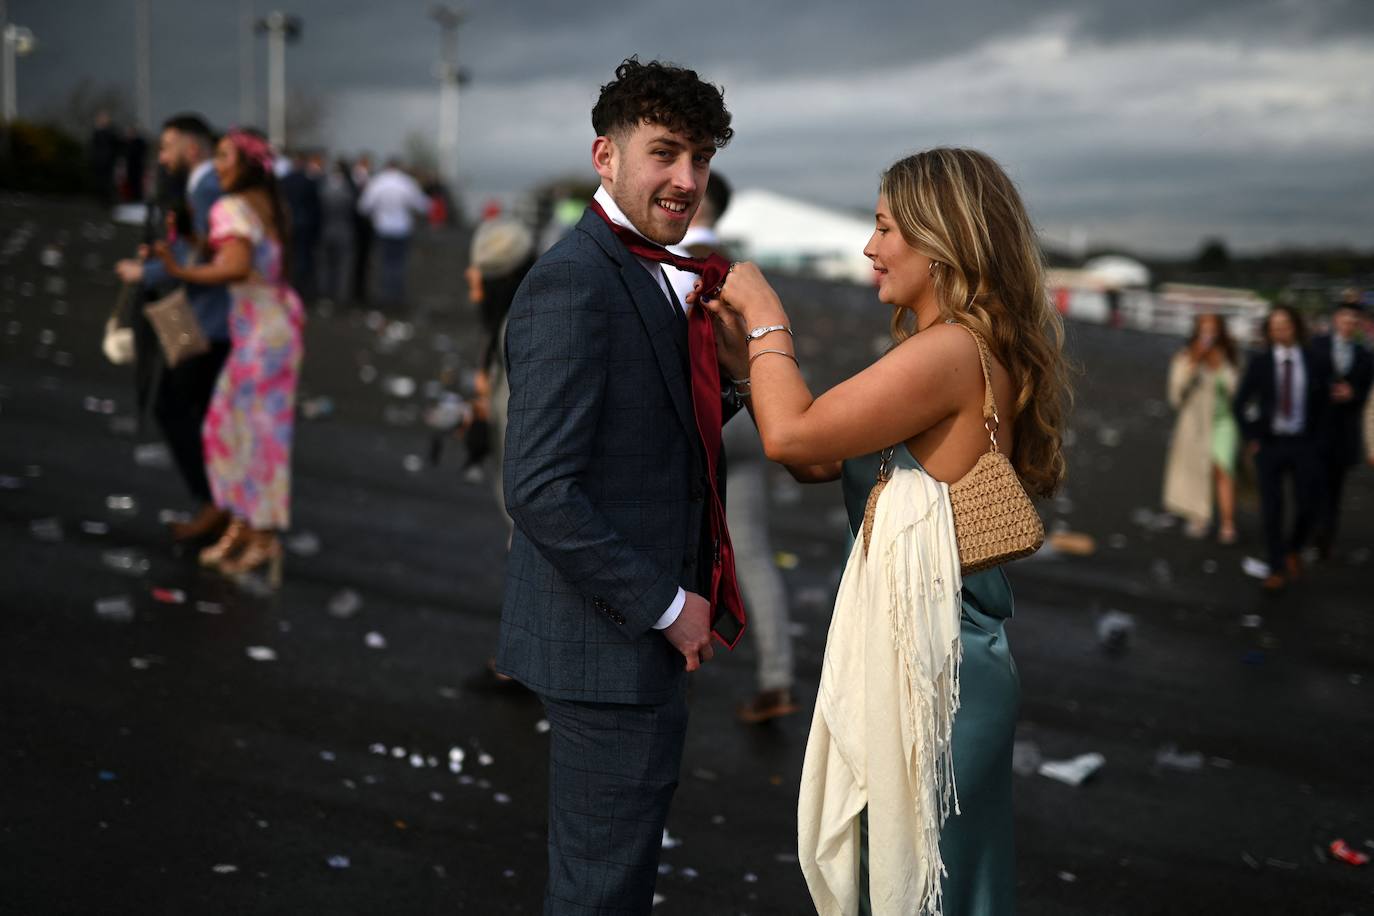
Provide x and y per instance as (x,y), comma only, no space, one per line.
(933,265)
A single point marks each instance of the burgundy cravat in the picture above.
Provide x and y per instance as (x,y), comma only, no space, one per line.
(701,345)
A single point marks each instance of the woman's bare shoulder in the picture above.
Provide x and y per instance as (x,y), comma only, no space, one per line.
(941,346)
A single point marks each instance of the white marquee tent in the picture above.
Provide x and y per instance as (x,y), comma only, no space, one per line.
(780,231)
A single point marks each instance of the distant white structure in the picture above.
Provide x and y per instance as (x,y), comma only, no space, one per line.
(790,234)
(1179,304)
(1104,290)
(1114,271)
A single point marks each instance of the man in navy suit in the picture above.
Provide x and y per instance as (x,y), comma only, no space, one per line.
(1351,368)
(1281,405)
(187,147)
(606,479)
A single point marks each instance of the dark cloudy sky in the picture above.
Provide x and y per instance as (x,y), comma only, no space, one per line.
(1149,123)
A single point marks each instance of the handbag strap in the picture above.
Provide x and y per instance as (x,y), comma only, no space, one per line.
(121,301)
(991,422)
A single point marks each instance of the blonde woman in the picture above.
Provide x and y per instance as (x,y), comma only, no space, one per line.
(954,252)
(1206,438)
(1369,431)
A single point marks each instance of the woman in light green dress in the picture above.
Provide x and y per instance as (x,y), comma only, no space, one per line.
(1199,470)
(952,244)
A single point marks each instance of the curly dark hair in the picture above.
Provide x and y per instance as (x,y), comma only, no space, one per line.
(663,94)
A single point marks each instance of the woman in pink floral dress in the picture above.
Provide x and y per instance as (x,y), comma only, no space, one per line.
(249,427)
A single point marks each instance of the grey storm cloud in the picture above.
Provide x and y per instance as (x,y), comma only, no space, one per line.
(1145,124)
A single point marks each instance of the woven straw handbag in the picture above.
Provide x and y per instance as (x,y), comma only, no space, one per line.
(994,519)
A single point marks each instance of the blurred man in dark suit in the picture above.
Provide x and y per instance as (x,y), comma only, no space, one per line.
(301,189)
(1351,369)
(186,147)
(1281,405)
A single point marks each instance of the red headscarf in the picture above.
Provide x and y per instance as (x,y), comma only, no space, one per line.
(252,147)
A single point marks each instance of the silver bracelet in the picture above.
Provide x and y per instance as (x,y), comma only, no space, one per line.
(758,333)
(779,352)
(743,387)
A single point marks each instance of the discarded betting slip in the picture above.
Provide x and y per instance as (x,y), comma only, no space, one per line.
(1073,772)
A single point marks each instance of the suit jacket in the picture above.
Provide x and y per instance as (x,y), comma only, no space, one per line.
(302,195)
(1342,433)
(210,303)
(604,476)
(1256,399)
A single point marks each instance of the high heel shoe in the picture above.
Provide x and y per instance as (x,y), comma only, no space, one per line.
(209,522)
(234,539)
(262,549)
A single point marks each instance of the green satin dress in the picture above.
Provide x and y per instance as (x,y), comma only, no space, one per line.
(977,843)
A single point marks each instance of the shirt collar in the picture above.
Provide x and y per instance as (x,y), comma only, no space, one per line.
(655,269)
(198,175)
(699,235)
(617,216)
(1291,352)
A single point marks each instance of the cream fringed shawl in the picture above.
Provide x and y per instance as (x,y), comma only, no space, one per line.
(889,690)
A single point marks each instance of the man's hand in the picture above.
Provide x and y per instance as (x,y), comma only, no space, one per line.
(1342,393)
(690,634)
(129,270)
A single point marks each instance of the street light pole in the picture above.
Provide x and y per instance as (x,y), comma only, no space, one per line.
(5,79)
(143,61)
(248,89)
(280,29)
(17,42)
(448,19)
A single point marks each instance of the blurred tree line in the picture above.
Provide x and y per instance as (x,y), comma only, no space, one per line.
(49,154)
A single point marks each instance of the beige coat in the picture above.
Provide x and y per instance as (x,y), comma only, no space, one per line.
(1369,430)
(1188,471)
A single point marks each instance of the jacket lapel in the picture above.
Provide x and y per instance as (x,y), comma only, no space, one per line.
(666,335)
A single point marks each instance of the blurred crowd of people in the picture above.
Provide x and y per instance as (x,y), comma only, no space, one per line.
(1297,414)
(345,212)
(118,159)
(238,241)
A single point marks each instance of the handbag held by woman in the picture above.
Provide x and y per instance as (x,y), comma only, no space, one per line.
(994,519)
(177,329)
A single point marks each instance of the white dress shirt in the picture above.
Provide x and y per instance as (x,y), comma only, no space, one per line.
(684,280)
(1342,355)
(197,176)
(656,271)
(1295,421)
(391,199)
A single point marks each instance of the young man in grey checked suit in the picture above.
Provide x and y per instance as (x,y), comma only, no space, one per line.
(605,478)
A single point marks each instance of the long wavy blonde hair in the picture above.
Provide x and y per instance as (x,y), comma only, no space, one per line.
(960,209)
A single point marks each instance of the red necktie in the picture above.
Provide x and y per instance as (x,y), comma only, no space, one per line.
(701,345)
(1285,387)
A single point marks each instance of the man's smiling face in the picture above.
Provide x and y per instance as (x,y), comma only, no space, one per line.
(656,176)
